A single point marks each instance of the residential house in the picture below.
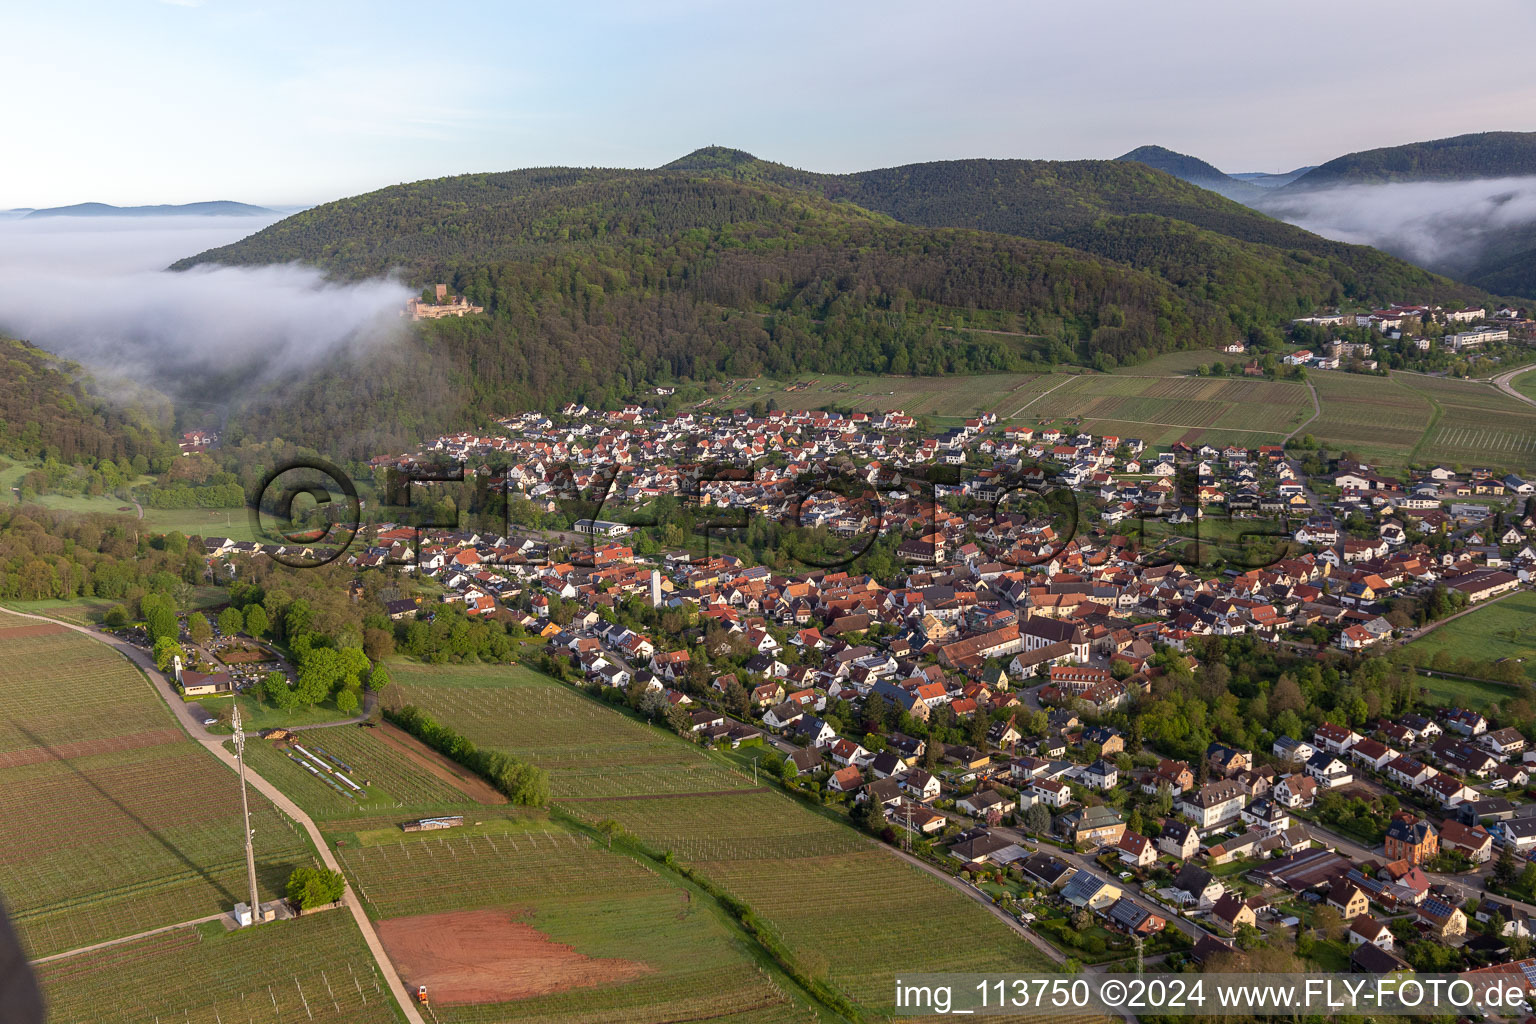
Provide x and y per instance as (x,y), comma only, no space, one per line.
(1348,899)
(1412,839)
(1178,839)
(1136,850)
(1366,928)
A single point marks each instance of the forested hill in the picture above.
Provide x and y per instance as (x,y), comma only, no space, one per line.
(46,411)
(1460,158)
(597,281)
(1194,170)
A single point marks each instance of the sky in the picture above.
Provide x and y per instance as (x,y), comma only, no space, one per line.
(278,103)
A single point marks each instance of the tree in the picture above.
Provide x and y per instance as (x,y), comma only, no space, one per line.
(1327,922)
(1505,867)
(870,815)
(737,703)
(159,617)
(198,628)
(116,617)
(378,678)
(165,650)
(231,621)
(276,691)
(256,622)
(309,888)
(378,644)
(677,717)
(346,702)
(1037,819)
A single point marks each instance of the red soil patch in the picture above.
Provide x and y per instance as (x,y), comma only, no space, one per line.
(85,748)
(488,956)
(445,768)
(30,629)
(241,655)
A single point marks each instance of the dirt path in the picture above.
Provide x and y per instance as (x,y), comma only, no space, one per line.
(1431,627)
(144,935)
(472,786)
(1037,398)
(215,746)
(1317,410)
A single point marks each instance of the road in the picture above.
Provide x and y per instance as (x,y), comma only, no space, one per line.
(1084,862)
(215,746)
(1502,382)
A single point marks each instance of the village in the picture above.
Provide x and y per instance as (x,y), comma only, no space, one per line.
(981,698)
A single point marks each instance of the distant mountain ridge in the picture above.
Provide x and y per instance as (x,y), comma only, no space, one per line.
(214,208)
(1459,158)
(1195,171)
(1475,235)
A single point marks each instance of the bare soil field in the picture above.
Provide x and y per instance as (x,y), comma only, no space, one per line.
(488,956)
(423,756)
(31,629)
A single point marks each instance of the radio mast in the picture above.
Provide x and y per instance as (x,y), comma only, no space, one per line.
(245,813)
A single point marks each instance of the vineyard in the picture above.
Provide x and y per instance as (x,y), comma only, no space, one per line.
(588,750)
(749,825)
(1377,418)
(313,969)
(1477,426)
(58,688)
(1161,410)
(943,397)
(389,782)
(112,822)
(574,892)
(893,916)
(807,878)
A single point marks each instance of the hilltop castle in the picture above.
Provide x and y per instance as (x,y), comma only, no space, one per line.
(444,305)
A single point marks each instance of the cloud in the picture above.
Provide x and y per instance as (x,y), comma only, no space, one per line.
(1444,225)
(96,291)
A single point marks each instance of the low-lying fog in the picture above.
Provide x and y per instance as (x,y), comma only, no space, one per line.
(1443,225)
(96,290)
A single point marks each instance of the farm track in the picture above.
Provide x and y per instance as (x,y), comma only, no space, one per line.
(1037,398)
(1436,412)
(1317,410)
(214,745)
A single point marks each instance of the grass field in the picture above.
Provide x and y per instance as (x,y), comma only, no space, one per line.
(1464,693)
(313,969)
(112,821)
(1525,384)
(849,912)
(392,783)
(698,965)
(233,523)
(84,611)
(1504,629)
